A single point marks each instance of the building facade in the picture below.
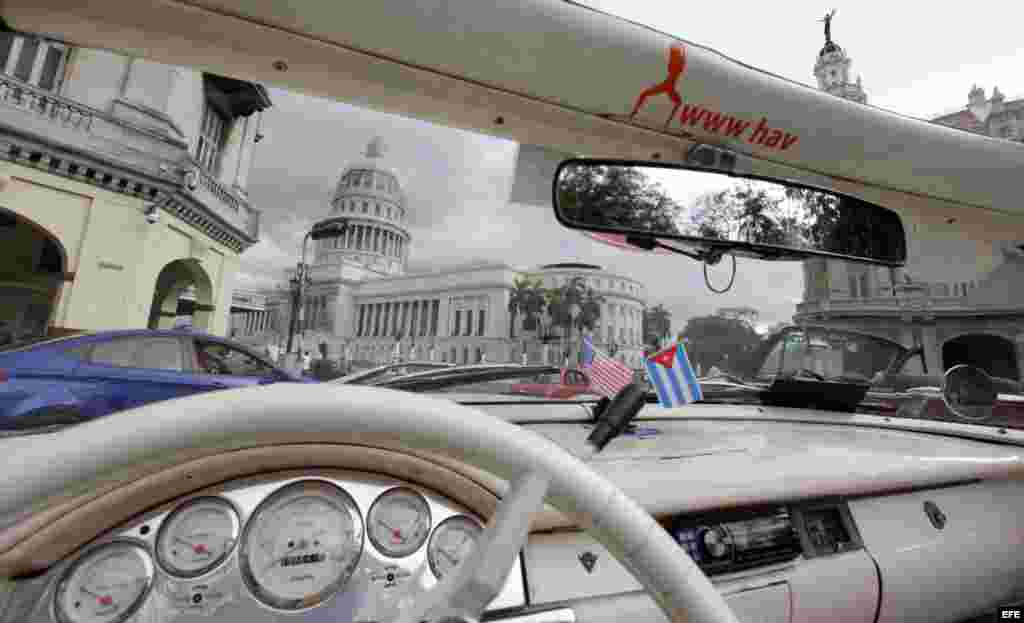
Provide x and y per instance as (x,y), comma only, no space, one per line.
(991,116)
(968,311)
(364,305)
(122,186)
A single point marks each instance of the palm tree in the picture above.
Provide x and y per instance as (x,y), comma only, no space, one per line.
(590,310)
(534,304)
(524,300)
(516,300)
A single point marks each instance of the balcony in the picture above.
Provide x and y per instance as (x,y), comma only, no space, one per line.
(44,105)
(225,203)
(67,138)
(923,304)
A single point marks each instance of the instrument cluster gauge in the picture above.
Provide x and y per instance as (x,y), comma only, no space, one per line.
(106,585)
(398,522)
(197,537)
(452,542)
(301,545)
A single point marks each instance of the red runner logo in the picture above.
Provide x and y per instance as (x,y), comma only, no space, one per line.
(676,67)
(712,121)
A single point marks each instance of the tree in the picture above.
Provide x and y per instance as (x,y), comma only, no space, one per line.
(719,341)
(559,304)
(616,197)
(590,310)
(657,325)
(524,299)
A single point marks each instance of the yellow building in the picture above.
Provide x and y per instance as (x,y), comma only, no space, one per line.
(122,186)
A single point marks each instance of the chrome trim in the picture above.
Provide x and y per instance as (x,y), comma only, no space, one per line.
(89,554)
(236,530)
(561,615)
(383,547)
(333,495)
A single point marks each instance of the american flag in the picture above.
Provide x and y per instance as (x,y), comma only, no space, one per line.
(607,376)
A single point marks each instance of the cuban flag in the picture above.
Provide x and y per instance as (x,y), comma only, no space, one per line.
(673,378)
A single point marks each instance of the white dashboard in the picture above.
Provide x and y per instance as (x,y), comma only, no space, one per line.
(336,545)
(792,522)
(321,546)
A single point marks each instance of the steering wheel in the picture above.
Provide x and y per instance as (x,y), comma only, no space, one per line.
(96,452)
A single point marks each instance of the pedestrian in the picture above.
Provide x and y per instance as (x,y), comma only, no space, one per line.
(307,362)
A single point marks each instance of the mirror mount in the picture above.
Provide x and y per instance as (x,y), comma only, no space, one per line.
(713,158)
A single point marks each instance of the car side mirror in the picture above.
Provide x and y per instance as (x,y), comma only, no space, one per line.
(969,392)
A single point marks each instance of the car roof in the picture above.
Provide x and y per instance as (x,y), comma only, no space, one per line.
(831,140)
(70,341)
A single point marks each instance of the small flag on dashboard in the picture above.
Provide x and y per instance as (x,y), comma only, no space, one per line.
(607,376)
(672,377)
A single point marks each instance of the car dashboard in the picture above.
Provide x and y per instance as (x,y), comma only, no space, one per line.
(791,521)
(325,545)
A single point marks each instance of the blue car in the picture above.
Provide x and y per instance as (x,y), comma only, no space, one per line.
(54,382)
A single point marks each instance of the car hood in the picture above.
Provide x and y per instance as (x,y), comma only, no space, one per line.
(486,397)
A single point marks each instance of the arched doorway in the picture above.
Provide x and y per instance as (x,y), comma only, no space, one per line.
(183,293)
(992,353)
(31,275)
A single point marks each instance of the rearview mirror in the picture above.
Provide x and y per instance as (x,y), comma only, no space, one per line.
(710,213)
(969,392)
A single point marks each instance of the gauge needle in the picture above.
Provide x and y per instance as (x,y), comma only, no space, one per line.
(104,600)
(183,541)
(455,561)
(396,534)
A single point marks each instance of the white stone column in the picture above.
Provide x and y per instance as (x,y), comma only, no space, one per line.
(444,320)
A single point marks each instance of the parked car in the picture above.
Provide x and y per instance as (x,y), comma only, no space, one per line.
(566,384)
(60,381)
(390,371)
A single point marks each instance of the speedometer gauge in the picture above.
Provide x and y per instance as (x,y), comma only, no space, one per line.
(398,522)
(301,545)
(452,543)
(197,537)
(106,585)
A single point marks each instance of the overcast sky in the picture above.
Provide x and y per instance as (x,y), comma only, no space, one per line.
(914,59)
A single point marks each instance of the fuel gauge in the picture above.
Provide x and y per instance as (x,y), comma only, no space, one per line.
(106,585)
(197,536)
(452,542)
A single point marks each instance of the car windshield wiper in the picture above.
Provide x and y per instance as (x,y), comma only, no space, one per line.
(468,375)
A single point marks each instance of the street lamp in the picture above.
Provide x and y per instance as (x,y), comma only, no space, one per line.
(302,280)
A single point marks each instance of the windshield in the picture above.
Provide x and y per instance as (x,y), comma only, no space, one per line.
(824,354)
(333,239)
